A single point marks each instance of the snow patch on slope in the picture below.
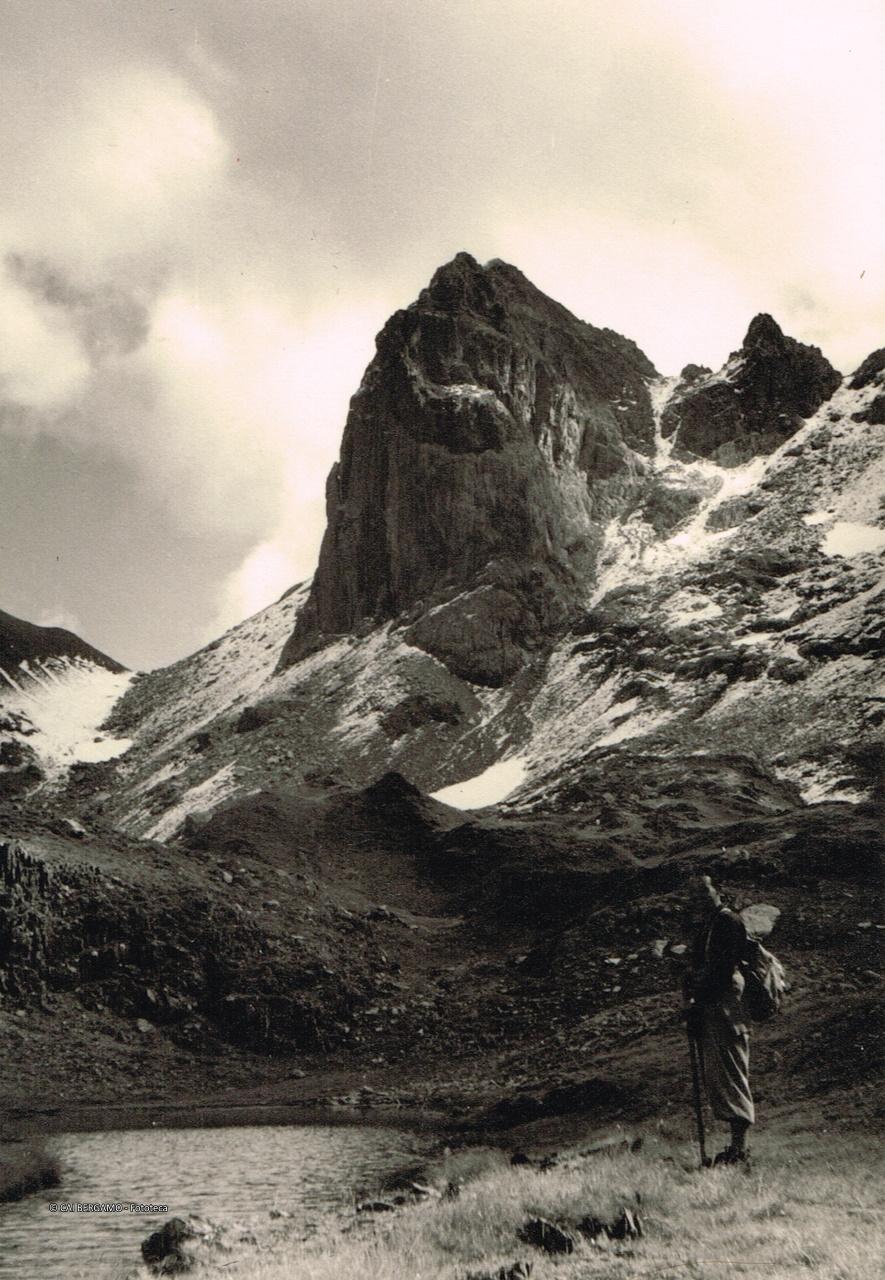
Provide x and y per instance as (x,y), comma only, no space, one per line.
(633,551)
(820,783)
(206,795)
(66,700)
(660,392)
(849,539)
(489,787)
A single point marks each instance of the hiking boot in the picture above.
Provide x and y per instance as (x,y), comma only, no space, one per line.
(730,1156)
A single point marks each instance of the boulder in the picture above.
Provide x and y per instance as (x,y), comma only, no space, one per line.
(417,710)
(788,670)
(625,1226)
(546,1235)
(874,413)
(515,1271)
(164,1251)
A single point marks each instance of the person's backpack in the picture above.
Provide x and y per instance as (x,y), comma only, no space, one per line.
(765,981)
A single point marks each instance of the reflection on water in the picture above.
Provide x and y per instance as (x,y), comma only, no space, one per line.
(230,1176)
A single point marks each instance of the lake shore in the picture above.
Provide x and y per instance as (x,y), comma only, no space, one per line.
(25,1167)
(622,1212)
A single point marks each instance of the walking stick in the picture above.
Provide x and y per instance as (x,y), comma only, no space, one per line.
(694,1050)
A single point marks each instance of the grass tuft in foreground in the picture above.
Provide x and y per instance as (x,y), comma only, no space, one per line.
(809,1207)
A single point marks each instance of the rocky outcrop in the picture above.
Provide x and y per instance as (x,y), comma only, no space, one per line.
(868,371)
(755,402)
(165,1250)
(493,436)
(177,957)
(20,769)
(24,887)
(872,371)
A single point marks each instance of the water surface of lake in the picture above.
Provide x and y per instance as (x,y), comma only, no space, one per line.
(227,1175)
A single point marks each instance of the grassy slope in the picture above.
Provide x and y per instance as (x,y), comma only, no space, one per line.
(810,1206)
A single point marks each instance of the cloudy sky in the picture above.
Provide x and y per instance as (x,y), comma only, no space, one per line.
(211,206)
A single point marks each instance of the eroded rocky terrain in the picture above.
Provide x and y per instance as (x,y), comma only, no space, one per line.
(640,616)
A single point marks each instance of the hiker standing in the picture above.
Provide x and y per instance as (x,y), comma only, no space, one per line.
(715,1015)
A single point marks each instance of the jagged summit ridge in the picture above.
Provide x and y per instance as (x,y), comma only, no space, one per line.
(758,399)
(494,437)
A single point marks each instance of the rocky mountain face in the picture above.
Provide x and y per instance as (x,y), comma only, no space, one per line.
(640,617)
(574,598)
(752,405)
(492,437)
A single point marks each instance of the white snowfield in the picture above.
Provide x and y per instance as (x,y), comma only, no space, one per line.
(66,700)
(489,787)
(846,538)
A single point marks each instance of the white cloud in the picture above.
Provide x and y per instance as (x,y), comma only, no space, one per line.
(251,401)
(264,575)
(60,616)
(42,365)
(627,275)
(127,170)
(302,379)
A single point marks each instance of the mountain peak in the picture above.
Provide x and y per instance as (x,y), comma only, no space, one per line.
(460,284)
(761,396)
(764,331)
(494,432)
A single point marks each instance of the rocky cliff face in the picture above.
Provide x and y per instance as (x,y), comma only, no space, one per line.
(492,437)
(752,404)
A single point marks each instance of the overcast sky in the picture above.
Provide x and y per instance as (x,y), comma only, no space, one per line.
(210,208)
